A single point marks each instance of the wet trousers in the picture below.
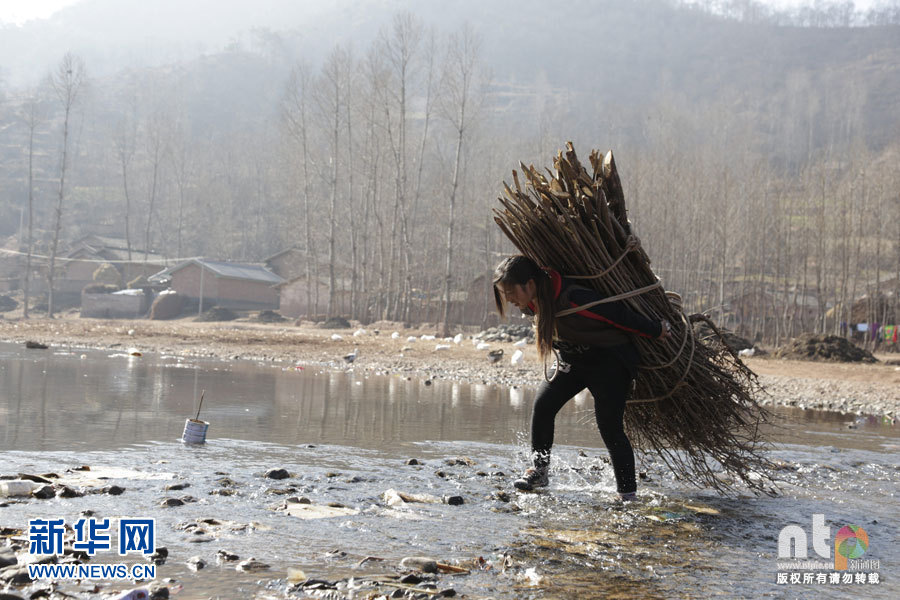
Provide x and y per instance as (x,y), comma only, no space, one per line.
(609,380)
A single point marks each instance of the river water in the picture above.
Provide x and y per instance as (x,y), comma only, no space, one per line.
(345,437)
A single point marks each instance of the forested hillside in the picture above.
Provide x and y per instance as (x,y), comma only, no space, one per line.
(758,150)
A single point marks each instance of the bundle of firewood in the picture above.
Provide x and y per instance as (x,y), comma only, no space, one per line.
(694,402)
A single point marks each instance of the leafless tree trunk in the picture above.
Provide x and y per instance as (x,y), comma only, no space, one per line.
(296,111)
(331,101)
(155,152)
(32,117)
(67,82)
(124,142)
(460,81)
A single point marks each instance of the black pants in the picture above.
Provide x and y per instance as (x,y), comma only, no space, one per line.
(608,375)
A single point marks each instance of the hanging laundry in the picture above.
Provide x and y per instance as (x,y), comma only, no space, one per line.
(862,326)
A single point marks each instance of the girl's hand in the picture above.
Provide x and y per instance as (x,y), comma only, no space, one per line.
(666,328)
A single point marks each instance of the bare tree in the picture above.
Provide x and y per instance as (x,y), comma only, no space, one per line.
(331,97)
(124,142)
(295,110)
(460,93)
(67,81)
(32,116)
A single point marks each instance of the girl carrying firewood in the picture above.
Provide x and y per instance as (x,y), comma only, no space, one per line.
(594,352)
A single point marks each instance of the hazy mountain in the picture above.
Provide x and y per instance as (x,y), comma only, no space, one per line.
(603,53)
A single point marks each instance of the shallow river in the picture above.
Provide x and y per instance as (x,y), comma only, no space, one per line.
(345,437)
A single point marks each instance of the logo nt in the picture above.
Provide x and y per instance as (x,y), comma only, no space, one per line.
(851,541)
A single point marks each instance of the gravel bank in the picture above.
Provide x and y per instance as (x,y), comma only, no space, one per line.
(852,388)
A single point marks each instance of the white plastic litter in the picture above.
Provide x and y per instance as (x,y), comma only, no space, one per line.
(17,487)
(747,352)
(521,343)
(517,357)
(336,337)
(395,335)
(411,338)
(441,347)
(428,338)
(482,346)
(457,338)
(359,332)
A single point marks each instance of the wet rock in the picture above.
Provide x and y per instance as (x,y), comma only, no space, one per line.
(277,474)
(332,474)
(188,499)
(226,482)
(411,579)
(7,559)
(175,487)
(225,556)
(251,564)
(169,502)
(463,461)
(44,492)
(420,563)
(481,473)
(78,556)
(448,593)
(159,557)
(200,538)
(316,584)
(114,490)
(15,597)
(158,591)
(413,462)
(223,492)
(34,478)
(195,563)
(454,500)
(440,474)
(398,593)
(15,575)
(335,505)
(353,479)
(65,491)
(502,496)
(296,500)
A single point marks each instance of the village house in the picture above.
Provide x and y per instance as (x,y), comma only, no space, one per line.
(206,283)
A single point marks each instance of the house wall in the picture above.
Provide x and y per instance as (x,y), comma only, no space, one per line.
(113,306)
(230,293)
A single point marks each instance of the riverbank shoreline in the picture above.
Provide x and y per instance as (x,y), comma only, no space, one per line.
(385,347)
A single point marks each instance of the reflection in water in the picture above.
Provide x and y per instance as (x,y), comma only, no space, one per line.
(60,402)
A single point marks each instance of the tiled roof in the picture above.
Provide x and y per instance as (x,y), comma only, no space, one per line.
(244,271)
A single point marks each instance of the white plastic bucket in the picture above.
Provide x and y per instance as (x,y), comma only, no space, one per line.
(194,431)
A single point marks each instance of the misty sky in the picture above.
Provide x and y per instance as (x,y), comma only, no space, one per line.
(19,11)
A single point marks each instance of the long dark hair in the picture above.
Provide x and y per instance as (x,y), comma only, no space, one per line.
(519,270)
